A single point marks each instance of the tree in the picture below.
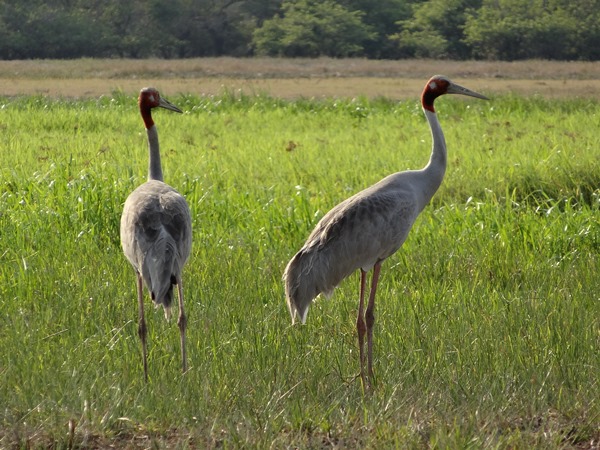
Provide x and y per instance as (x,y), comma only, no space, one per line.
(188,28)
(436,30)
(458,29)
(511,29)
(312,28)
(584,24)
(49,30)
(382,17)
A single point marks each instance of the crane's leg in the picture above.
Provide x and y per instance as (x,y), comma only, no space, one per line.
(182,323)
(142,330)
(370,316)
(361,328)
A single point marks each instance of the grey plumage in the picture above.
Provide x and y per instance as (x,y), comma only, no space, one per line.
(156,231)
(364,230)
(157,237)
(356,234)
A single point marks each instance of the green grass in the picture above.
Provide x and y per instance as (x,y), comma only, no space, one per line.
(487,332)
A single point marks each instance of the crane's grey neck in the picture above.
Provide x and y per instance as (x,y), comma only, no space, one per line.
(154,166)
(436,167)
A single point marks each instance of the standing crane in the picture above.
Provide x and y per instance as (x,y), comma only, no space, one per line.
(365,229)
(156,231)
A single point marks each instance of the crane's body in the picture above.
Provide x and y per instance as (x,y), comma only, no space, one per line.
(365,229)
(161,240)
(156,231)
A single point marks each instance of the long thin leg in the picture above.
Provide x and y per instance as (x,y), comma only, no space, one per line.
(370,316)
(361,328)
(142,330)
(182,323)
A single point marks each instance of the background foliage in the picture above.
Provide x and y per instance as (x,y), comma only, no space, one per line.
(458,29)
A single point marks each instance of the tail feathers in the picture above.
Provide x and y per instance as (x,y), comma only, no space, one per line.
(306,276)
(160,274)
(166,299)
(297,310)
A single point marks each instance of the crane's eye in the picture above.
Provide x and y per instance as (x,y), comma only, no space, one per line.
(433,86)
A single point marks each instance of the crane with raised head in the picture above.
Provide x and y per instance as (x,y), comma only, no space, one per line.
(365,229)
(156,231)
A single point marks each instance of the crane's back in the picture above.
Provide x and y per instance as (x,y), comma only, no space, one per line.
(156,236)
(357,233)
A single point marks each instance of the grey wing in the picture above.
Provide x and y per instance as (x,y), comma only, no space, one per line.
(357,233)
(156,236)
(177,222)
(366,228)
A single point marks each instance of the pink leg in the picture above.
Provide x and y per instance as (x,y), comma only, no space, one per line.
(361,328)
(182,323)
(370,316)
(142,330)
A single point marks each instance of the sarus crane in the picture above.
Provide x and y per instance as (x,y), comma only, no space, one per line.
(156,231)
(365,229)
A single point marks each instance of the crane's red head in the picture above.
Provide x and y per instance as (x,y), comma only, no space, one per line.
(440,85)
(150,98)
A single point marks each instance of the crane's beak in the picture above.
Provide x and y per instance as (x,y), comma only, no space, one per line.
(458,89)
(164,103)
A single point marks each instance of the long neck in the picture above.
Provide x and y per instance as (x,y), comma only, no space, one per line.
(154,167)
(436,168)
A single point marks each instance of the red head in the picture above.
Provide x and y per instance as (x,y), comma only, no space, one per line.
(440,85)
(150,98)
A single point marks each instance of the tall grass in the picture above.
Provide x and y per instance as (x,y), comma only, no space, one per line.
(487,319)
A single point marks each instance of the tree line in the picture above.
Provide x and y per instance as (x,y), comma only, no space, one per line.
(381,29)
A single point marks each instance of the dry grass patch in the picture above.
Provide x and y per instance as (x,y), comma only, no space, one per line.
(227,67)
(292,88)
(294,78)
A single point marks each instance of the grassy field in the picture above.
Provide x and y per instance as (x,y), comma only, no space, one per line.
(488,318)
